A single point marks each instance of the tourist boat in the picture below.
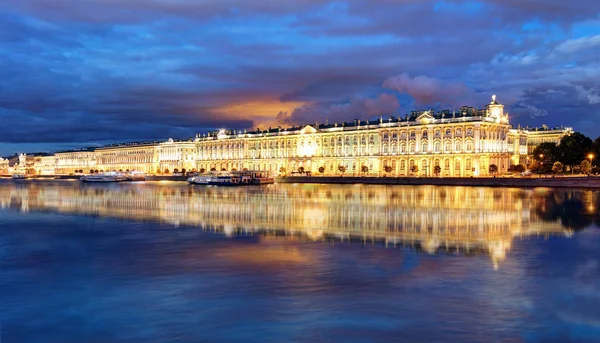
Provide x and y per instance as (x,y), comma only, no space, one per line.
(104,177)
(261,177)
(223,179)
(242,178)
(135,176)
(18,176)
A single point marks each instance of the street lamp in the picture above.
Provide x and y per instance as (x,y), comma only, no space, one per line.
(541,164)
(591,157)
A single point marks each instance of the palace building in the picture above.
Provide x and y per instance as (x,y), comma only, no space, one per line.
(464,142)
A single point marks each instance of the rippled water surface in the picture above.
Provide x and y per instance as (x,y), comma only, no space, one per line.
(168,262)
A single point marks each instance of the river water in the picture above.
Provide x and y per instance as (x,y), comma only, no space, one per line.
(169,262)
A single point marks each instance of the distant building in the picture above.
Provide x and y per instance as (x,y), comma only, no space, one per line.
(465,142)
(4,166)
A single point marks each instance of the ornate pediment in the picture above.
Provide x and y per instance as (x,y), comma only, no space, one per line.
(425,117)
(308,129)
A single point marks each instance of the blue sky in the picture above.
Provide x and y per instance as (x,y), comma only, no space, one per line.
(85,73)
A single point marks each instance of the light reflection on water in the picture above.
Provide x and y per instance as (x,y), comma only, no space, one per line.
(147,262)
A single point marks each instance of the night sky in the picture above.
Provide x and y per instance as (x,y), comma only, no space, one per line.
(85,73)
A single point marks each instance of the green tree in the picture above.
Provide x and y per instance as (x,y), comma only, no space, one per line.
(414,168)
(282,170)
(202,170)
(586,167)
(493,169)
(301,170)
(437,170)
(321,170)
(557,167)
(387,169)
(547,154)
(574,149)
(342,169)
(364,169)
(595,151)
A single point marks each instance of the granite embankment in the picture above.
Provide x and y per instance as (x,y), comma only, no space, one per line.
(529,182)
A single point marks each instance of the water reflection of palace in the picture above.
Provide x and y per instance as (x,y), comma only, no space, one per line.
(465,219)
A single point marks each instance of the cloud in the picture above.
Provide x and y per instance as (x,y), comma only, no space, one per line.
(427,90)
(143,69)
(361,108)
(588,95)
(535,112)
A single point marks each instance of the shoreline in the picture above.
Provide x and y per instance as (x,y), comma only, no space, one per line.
(532,182)
(519,182)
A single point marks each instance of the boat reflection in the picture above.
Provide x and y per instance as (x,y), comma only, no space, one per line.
(467,220)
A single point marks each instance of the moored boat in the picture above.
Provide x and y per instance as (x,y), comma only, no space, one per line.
(135,176)
(104,177)
(18,176)
(242,178)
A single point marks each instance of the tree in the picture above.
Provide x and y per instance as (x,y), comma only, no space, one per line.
(557,167)
(342,169)
(213,169)
(202,170)
(493,169)
(414,168)
(176,170)
(586,167)
(321,170)
(573,149)
(282,170)
(387,169)
(223,169)
(301,170)
(547,154)
(233,169)
(183,171)
(364,169)
(437,170)
(166,171)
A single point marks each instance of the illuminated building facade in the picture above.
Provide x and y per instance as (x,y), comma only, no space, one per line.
(127,157)
(4,166)
(44,164)
(68,162)
(458,143)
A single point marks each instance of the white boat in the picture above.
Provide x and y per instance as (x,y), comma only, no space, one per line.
(242,178)
(222,179)
(18,176)
(135,176)
(104,177)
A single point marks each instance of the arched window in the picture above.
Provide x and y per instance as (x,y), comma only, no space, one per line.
(447,164)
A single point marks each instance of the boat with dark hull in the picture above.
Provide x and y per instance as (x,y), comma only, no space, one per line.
(243,178)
